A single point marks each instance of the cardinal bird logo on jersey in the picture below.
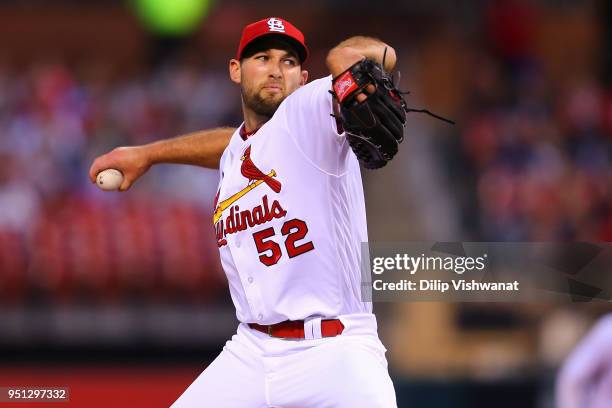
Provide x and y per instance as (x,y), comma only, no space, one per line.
(250,171)
(255,176)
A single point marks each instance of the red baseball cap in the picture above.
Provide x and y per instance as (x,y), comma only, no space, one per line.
(273,26)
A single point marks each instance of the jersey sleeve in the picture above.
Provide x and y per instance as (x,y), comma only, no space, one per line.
(308,119)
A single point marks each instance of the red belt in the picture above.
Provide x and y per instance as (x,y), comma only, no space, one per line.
(294,329)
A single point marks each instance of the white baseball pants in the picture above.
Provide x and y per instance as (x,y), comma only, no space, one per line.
(255,370)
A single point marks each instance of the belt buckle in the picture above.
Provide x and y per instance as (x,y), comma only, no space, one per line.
(270,330)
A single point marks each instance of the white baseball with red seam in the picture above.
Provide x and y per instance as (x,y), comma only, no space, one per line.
(109,179)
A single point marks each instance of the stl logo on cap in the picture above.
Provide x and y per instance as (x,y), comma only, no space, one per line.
(273,26)
(276,25)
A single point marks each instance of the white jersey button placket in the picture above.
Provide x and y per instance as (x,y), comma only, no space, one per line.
(251,288)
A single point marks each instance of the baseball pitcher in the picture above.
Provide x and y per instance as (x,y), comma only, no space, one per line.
(290,218)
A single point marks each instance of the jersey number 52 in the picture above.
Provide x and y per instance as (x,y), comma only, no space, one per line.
(270,251)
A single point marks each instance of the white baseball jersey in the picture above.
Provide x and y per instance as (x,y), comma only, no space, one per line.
(290,215)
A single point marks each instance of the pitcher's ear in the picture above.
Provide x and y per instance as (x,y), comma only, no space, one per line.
(304,77)
(234,70)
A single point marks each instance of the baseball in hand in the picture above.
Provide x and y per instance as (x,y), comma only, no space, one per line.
(109,179)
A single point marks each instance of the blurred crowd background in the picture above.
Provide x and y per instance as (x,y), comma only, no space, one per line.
(89,278)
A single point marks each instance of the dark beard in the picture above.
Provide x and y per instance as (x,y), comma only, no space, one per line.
(262,107)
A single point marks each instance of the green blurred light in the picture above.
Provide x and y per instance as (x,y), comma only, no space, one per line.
(172,17)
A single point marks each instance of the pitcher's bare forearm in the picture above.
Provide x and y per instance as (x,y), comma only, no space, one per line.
(203,148)
(355,49)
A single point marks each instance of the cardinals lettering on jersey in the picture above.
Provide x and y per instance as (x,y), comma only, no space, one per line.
(238,220)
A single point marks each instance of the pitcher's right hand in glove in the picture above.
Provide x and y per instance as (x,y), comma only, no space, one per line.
(375,126)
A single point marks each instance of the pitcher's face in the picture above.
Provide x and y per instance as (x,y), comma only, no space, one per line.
(267,77)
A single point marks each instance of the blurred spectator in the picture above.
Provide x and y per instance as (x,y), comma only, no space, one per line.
(542,168)
(75,241)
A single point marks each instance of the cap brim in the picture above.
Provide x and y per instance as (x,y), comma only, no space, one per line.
(300,49)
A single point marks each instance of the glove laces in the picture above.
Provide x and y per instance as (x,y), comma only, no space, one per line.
(406,108)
